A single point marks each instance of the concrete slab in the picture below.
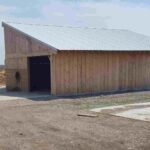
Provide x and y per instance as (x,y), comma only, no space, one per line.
(4,95)
(138,113)
(119,107)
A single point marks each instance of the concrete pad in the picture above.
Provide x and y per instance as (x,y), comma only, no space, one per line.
(129,111)
(119,107)
(4,95)
(106,108)
(139,113)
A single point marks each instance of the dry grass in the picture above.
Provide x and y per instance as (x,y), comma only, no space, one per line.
(2,77)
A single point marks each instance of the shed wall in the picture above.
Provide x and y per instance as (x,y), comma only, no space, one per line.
(18,48)
(75,72)
(17,65)
(20,45)
(95,72)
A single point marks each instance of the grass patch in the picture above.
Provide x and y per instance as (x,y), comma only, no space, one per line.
(144,114)
(112,103)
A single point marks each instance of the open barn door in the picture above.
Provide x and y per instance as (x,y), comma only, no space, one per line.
(39,72)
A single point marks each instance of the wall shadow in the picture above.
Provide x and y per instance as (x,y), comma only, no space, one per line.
(46,96)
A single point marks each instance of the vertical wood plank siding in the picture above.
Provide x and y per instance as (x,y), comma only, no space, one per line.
(18,48)
(20,45)
(94,72)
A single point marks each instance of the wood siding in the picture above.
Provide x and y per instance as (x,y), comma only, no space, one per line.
(75,72)
(19,45)
(14,65)
(96,72)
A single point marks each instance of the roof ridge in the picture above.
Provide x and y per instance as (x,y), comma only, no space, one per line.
(37,24)
(61,26)
(86,27)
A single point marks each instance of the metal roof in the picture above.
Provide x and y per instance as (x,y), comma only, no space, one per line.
(76,38)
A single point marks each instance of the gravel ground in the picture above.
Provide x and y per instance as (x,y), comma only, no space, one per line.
(54,124)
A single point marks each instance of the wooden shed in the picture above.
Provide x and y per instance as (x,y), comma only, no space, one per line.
(72,60)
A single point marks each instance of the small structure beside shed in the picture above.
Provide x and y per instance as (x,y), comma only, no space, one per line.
(72,60)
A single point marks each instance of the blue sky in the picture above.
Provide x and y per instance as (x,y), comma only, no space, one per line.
(125,14)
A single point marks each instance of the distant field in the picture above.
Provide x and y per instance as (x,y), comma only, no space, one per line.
(2,76)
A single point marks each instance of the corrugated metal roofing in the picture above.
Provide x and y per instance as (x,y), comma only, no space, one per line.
(74,38)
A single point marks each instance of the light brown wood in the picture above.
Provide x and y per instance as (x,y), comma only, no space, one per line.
(18,47)
(21,45)
(87,115)
(93,72)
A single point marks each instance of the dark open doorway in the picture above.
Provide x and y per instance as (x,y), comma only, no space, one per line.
(39,71)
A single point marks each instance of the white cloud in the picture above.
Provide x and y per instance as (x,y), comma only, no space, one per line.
(71,13)
(6,9)
(112,14)
(119,15)
(59,14)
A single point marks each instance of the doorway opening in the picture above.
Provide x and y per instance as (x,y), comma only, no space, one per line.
(39,73)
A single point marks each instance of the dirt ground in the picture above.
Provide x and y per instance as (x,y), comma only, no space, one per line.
(53,124)
(2,77)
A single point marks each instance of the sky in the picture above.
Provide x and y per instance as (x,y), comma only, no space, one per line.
(118,14)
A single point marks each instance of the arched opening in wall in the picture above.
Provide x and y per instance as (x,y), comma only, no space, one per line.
(39,73)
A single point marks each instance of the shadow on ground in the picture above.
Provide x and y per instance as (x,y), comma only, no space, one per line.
(5,95)
(46,96)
